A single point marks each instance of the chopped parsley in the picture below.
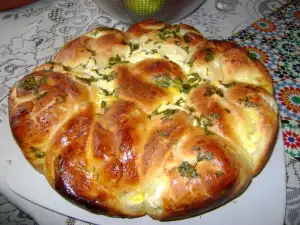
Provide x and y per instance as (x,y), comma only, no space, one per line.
(180,102)
(116,60)
(148,41)
(133,47)
(177,83)
(43,80)
(187,170)
(42,95)
(91,51)
(211,90)
(227,85)
(103,104)
(37,153)
(31,84)
(194,79)
(107,77)
(88,80)
(162,80)
(100,29)
(191,109)
(204,123)
(186,48)
(186,38)
(154,51)
(106,92)
(95,33)
(186,88)
(209,55)
(169,31)
(191,62)
(205,156)
(214,116)
(166,113)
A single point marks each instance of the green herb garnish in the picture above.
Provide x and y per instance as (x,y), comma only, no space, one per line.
(88,80)
(95,33)
(133,47)
(214,116)
(106,92)
(91,51)
(186,88)
(29,84)
(204,123)
(191,62)
(191,109)
(194,79)
(187,170)
(209,55)
(211,90)
(107,77)
(180,102)
(32,84)
(186,48)
(116,60)
(43,80)
(205,156)
(169,31)
(103,104)
(166,113)
(37,153)
(162,80)
(186,38)
(227,85)
(177,83)
(42,95)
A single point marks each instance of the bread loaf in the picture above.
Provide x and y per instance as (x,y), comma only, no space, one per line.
(154,121)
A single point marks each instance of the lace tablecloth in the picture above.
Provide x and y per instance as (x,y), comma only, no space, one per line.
(32,34)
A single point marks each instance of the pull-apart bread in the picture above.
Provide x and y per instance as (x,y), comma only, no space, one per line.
(154,121)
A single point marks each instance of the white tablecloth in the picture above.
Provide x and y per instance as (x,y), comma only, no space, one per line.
(32,34)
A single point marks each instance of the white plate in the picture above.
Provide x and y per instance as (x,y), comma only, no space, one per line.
(263,203)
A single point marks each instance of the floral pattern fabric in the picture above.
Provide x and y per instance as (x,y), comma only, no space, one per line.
(275,40)
(34,33)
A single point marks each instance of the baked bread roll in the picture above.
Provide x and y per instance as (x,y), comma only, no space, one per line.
(154,121)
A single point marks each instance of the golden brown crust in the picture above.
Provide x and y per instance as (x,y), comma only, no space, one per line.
(154,121)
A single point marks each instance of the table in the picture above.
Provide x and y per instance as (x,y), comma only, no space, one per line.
(31,35)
